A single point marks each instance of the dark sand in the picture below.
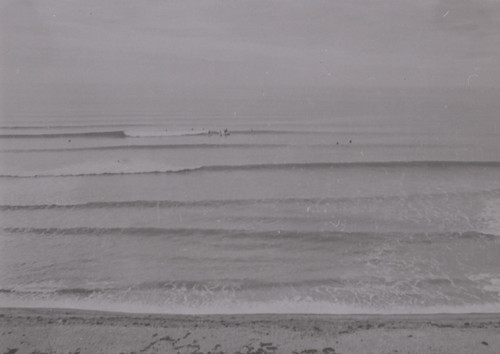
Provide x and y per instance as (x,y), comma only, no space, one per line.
(74,331)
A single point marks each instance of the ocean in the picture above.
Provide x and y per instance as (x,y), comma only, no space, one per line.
(285,214)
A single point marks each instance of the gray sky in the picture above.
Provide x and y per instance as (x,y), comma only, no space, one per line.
(155,56)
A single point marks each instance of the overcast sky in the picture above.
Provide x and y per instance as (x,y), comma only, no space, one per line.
(107,56)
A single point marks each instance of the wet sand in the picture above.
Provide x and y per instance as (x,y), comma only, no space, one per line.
(76,331)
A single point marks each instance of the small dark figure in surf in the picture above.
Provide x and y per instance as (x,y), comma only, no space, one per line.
(350,141)
(226,132)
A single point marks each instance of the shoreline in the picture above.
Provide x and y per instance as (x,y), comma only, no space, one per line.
(44,330)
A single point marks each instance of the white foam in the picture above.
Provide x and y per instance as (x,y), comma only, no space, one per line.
(489,282)
(490,216)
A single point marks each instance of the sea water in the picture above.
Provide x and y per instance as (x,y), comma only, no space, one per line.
(288,214)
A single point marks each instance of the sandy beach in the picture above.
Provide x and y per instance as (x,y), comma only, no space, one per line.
(76,331)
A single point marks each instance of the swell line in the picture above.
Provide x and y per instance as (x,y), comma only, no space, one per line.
(212,146)
(144,204)
(277,167)
(153,147)
(327,236)
(68,126)
(129,204)
(165,204)
(155,133)
(108,134)
(142,231)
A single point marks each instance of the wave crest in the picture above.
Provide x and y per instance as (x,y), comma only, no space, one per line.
(106,169)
